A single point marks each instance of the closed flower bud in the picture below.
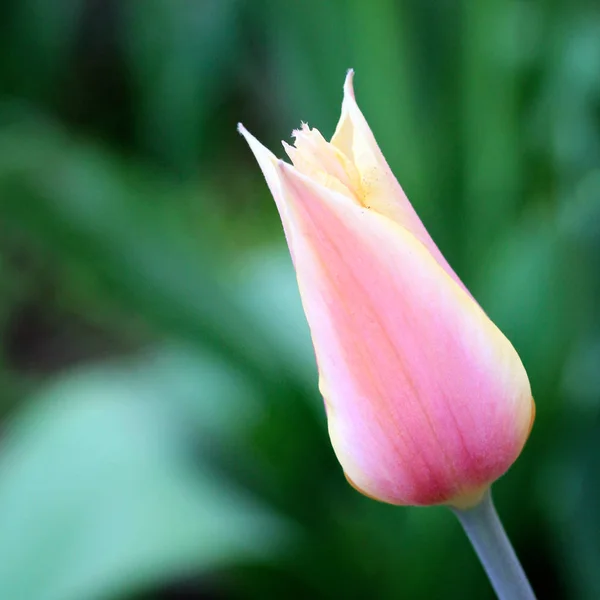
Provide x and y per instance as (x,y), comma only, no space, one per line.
(427,401)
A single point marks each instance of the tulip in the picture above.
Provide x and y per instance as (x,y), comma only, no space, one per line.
(427,401)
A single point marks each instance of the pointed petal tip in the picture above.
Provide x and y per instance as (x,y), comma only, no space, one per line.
(252,141)
(266,159)
(288,148)
(289,174)
(284,167)
(348,84)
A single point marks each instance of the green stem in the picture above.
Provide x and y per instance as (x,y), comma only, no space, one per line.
(484,529)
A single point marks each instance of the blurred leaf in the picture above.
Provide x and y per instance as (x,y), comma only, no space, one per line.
(565,120)
(84,209)
(309,59)
(526,288)
(383,53)
(581,380)
(580,213)
(572,490)
(99,496)
(180,55)
(388,544)
(40,36)
(206,395)
(492,165)
(586,518)
(268,284)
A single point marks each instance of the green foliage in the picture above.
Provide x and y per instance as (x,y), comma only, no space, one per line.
(163,429)
(99,491)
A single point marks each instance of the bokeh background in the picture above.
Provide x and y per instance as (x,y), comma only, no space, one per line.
(162,433)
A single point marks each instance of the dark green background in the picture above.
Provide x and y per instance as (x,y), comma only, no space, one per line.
(162,434)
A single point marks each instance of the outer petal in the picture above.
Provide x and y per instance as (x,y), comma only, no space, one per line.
(382,192)
(427,401)
(269,165)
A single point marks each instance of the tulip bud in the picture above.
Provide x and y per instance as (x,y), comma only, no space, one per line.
(427,402)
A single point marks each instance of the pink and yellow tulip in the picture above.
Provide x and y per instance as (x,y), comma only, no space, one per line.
(427,401)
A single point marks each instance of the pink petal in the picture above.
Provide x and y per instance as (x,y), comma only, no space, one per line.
(426,400)
(354,138)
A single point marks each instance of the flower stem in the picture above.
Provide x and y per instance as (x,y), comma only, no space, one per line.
(484,529)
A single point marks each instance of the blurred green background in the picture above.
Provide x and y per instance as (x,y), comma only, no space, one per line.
(162,433)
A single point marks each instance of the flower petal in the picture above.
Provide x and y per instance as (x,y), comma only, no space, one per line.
(268,164)
(419,384)
(382,192)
